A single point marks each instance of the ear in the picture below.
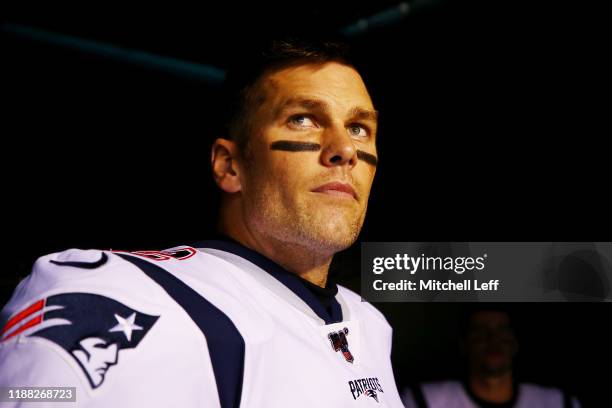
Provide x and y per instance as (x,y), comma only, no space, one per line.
(225,168)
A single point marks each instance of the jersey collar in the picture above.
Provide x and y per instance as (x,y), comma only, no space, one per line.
(308,292)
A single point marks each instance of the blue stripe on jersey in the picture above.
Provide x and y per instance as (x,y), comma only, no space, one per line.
(287,278)
(225,344)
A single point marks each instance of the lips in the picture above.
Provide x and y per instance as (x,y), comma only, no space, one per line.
(337,189)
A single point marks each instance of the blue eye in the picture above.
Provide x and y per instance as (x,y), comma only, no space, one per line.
(357,130)
(301,121)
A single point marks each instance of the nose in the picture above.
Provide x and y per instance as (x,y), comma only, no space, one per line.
(338,148)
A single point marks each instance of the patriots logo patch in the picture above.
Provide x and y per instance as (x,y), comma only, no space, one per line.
(372,394)
(340,343)
(369,387)
(93,329)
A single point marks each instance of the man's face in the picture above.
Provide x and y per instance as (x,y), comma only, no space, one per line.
(96,357)
(321,104)
(491,343)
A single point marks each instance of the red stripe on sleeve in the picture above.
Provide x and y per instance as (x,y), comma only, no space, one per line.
(32,322)
(22,315)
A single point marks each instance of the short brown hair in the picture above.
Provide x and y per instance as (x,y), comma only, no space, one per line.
(240,91)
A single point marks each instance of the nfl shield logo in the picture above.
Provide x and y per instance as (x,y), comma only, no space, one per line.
(339,342)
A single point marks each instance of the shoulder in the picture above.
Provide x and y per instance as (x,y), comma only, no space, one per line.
(540,391)
(544,394)
(440,393)
(82,266)
(89,279)
(65,268)
(81,307)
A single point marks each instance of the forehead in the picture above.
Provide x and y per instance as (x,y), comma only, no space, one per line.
(333,82)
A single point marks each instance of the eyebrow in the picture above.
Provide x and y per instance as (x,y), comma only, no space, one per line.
(317,104)
(364,114)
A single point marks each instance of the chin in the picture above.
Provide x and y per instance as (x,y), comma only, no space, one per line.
(497,369)
(336,238)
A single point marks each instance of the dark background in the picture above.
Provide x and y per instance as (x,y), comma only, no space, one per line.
(492,129)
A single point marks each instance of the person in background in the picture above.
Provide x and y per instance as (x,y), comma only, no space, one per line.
(490,345)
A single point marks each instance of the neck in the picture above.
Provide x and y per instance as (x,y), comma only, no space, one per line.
(301,260)
(492,388)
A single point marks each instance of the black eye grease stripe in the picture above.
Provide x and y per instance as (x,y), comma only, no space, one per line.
(292,146)
(367,157)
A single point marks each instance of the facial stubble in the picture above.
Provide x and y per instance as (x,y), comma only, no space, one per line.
(305,219)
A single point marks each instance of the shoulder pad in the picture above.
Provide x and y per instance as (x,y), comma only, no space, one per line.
(93,274)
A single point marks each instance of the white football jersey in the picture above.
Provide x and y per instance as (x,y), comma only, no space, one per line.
(213,325)
(453,394)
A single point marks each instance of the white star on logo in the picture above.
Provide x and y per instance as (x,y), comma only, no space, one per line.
(126,325)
